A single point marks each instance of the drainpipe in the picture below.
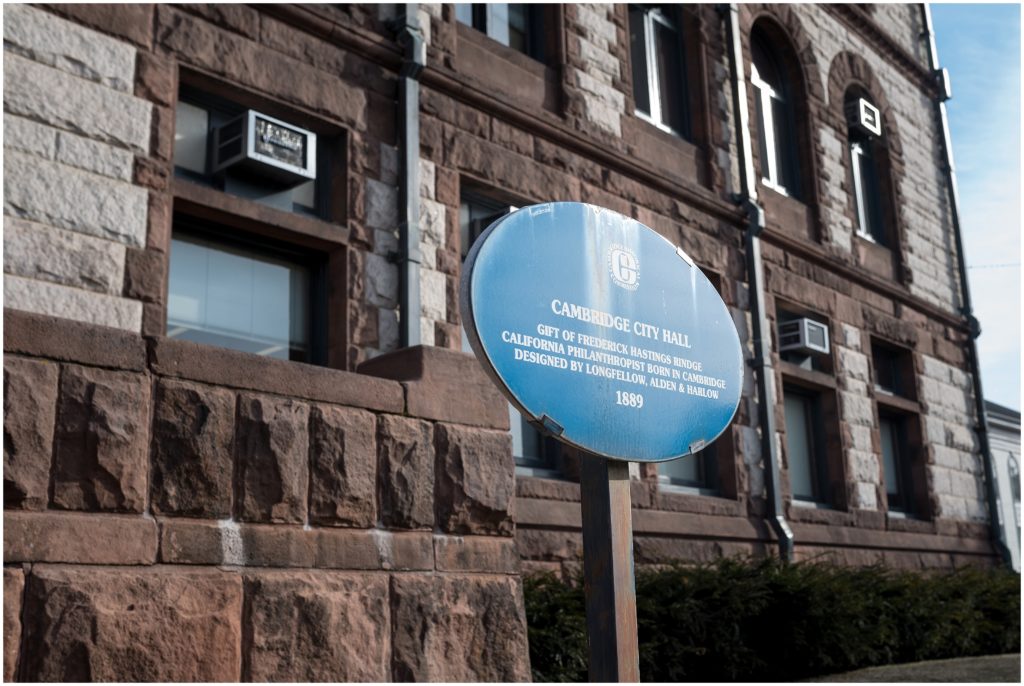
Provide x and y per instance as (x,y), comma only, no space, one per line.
(410,37)
(942,78)
(762,361)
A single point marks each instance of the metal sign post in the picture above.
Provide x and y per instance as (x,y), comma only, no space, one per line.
(610,338)
(608,570)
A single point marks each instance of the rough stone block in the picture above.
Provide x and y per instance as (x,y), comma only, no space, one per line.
(72,538)
(343,467)
(458,628)
(31,137)
(84,107)
(14,585)
(56,300)
(69,47)
(475,480)
(433,294)
(101,440)
(67,198)
(150,624)
(94,156)
(273,458)
(193,427)
(317,626)
(30,402)
(406,464)
(41,252)
(475,554)
(381,282)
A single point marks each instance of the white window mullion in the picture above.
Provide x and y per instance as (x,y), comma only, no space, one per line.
(653,94)
(769,135)
(858,191)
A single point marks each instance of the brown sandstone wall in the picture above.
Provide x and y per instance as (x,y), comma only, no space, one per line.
(221,516)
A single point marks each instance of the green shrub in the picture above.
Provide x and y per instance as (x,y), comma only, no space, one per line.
(764,621)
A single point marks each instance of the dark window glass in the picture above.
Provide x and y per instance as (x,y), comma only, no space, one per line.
(519,26)
(694,471)
(239,296)
(659,80)
(867,188)
(887,370)
(803,446)
(529,447)
(896,469)
(638,59)
(776,118)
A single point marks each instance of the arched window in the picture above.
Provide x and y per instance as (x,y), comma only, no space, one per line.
(776,117)
(866,143)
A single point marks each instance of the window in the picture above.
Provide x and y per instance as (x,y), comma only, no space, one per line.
(804,446)
(516,25)
(898,427)
(531,449)
(196,116)
(895,462)
(698,471)
(257,297)
(773,102)
(659,80)
(867,155)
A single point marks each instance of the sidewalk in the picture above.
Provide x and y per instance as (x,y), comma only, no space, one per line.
(987,669)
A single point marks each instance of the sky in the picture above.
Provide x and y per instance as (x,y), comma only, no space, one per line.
(980,46)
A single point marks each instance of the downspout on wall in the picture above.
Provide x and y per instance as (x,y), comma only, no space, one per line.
(966,309)
(761,337)
(410,37)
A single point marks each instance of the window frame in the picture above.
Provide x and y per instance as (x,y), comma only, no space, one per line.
(650,16)
(821,484)
(315,261)
(547,464)
(326,207)
(538,41)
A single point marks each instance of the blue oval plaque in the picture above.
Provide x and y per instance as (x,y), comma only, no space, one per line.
(602,332)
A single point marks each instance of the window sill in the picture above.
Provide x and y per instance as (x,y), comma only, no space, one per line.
(505,71)
(785,214)
(663,150)
(807,378)
(203,202)
(875,257)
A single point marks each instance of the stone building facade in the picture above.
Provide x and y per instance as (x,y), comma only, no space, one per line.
(167,495)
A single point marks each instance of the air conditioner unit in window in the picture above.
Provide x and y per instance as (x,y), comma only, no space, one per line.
(265,147)
(804,336)
(862,116)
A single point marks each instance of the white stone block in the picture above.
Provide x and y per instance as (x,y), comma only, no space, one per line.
(69,47)
(381,282)
(864,467)
(41,252)
(384,242)
(433,294)
(427,176)
(56,300)
(433,221)
(28,136)
(857,409)
(83,107)
(387,329)
(95,157)
(851,337)
(941,482)
(55,194)
(601,64)
(853,365)
(381,205)
(866,495)
(427,331)
(428,255)
(388,164)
